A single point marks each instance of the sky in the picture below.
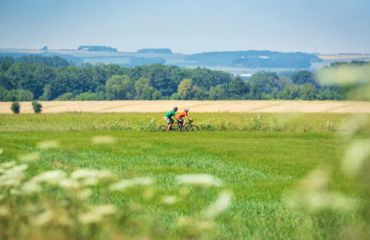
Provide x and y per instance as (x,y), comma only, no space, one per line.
(188,26)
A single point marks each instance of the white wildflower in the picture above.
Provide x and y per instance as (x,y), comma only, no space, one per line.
(317,201)
(193,223)
(222,202)
(15,192)
(85,194)
(6,165)
(50,177)
(18,168)
(47,144)
(127,183)
(89,177)
(12,176)
(357,153)
(169,199)
(204,180)
(103,140)
(97,214)
(29,157)
(69,184)
(31,187)
(315,180)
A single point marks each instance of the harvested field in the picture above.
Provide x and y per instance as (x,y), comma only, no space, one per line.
(197,106)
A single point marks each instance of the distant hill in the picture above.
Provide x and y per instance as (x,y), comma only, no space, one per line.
(255,59)
(93,48)
(155,51)
(38,57)
(236,62)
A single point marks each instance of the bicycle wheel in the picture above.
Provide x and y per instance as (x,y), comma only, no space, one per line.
(192,128)
(176,128)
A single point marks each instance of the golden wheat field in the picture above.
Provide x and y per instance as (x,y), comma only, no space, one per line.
(196,106)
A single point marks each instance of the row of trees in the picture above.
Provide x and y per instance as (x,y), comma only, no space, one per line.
(49,78)
(16,107)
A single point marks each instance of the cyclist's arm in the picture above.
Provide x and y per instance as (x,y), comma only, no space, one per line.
(188,117)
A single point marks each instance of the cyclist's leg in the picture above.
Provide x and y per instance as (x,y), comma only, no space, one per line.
(171,123)
(180,122)
(168,121)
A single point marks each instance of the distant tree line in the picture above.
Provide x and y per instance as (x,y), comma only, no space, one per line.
(53,78)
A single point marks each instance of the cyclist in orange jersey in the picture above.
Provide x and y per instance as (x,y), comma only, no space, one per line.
(180,117)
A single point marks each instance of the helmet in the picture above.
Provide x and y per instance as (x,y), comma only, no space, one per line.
(187,109)
(175,108)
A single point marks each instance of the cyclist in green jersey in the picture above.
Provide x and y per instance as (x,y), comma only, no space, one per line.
(169,118)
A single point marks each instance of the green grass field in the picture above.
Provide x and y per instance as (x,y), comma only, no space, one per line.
(259,158)
(266,122)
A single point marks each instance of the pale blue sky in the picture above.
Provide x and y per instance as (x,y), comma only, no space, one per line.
(189,25)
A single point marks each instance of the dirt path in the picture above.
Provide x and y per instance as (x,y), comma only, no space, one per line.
(196,106)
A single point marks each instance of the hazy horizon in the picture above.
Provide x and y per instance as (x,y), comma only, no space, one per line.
(187,27)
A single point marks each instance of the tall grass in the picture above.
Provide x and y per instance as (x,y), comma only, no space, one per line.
(151,121)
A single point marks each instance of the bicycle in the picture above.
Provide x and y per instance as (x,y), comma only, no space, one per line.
(189,126)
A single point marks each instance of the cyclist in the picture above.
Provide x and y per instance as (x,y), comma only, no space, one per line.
(168,117)
(182,115)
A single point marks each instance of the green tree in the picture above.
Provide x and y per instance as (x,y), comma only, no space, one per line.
(5,81)
(119,87)
(291,91)
(37,107)
(144,89)
(308,91)
(186,89)
(3,94)
(65,97)
(19,95)
(303,77)
(46,93)
(264,85)
(30,76)
(217,92)
(156,95)
(236,88)
(175,96)
(200,93)
(88,96)
(6,63)
(15,107)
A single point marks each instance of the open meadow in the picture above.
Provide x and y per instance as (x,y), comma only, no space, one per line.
(242,176)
